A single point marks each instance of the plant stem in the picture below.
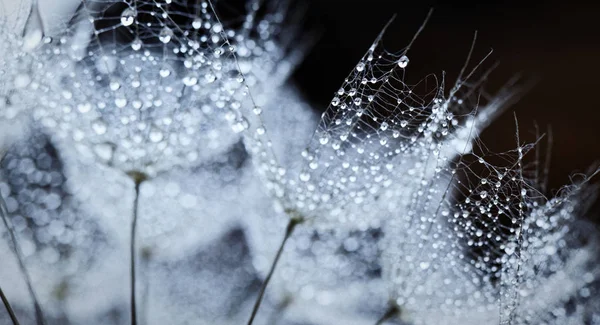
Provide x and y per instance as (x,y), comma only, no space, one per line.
(39,316)
(138,178)
(392,312)
(288,232)
(9,309)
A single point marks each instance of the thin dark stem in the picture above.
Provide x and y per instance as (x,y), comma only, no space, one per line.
(138,178)
(389,314)
(288,232)
(9,309)
(39,316)
(132,252)
(146,256)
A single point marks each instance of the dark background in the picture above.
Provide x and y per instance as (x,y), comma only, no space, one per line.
(555,43)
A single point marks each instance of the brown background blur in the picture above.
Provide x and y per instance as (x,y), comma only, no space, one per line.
(557,43)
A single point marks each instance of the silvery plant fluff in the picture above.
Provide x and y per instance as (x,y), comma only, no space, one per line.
(143,89)
(153,86)
(384,158)
(391,211)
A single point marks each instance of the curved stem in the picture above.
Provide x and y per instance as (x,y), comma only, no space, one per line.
(288,232)
(9,309)
(138,178)
(39,316)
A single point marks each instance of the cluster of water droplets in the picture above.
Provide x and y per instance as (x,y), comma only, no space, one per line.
(154,85)
(385,158)
(398,208)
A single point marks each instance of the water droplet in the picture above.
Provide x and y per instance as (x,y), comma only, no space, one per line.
(190,80)
(304,176)
(84,108)
(120,102)
(260,130)
(360,67)
(197,23)
(335,101)
(164,72)
(384,126)
(217,28)
(136,44)
(99,126)
(240,125)
(128,16)
(483,194)
(155,135)
(114,85)
(357,101)
(165,35)
(403,61)
(510,249)
(324,140)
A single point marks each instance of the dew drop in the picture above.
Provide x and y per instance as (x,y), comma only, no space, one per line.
(128,16)
(190,80)
(155,135)
(509,249)
(164,72)
(197,23)
(136,44)
(121,102)
(335,101)
(240,125)
(114,85)
(384,126)
(165,35)
(305,177)
(84,108)
(403,61)
(99,126)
